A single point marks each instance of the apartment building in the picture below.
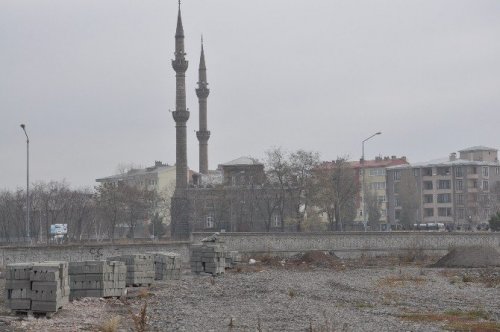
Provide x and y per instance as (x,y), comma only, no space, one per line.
(374,182)
(459,192)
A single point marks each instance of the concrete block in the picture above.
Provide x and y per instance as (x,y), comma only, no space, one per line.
(45,306)
(19,304)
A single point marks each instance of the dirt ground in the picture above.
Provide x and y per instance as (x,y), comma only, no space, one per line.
(306,293)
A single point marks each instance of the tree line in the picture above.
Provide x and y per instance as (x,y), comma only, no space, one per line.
(305,193)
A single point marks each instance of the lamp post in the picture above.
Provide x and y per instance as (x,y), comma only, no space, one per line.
(363,209)
(27,182)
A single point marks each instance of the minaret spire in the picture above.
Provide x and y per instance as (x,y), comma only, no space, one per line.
(179,210)
(181,114)
(202,92)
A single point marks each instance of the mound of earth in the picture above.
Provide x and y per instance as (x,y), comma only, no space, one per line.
(469,257)
(315,258)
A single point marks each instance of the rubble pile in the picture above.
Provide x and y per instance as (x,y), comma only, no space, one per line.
(167,265)
(470,257)
(97,279)
(140,269)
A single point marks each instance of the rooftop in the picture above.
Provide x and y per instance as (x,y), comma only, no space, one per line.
(242,161)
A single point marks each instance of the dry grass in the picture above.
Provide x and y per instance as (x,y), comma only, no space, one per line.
(292,293)
(401,280)
(141,319)
(111,325)
(486,277)
(457,320)
(144,293)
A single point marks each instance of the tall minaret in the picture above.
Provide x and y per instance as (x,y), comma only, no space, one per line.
(181,114)
(180,207)
(202,92)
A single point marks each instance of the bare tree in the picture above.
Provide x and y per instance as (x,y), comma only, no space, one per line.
(278,171)
(408,198)
(302,166)
(110,205)
(336,190)
(373,209)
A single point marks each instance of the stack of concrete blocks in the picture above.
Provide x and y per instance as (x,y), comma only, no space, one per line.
(233,258)
(97,279)
(18,286)
(208,257)
(167,265)
(140,269)
(49,286)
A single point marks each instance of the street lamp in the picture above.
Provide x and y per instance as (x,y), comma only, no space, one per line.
(363,175)
(27,182)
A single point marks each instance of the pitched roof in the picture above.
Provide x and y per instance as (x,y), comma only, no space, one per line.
(446,162)
(478,148)
(135,172)
(379,163)
(242,161)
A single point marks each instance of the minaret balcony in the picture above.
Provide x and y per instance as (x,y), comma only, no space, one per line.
(203,135)
(180,65)
(180,116)
(202,92)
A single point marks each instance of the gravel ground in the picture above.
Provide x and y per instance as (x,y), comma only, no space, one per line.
(265,298)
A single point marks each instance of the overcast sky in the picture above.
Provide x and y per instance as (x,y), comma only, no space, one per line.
(93,83)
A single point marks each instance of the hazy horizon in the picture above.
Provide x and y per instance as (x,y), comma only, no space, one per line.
(93,83)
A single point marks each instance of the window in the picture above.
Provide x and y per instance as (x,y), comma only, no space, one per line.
(443,171)
(429,212)
(396,187)
(459,185)
(460,199)
(486,171)
(485,199)
(428,185)
(485,214)
(472,197)
(397,214)
(497,170)
(444,212)
(416,172)
(377,186)
(397,175)
(473,183)
(377,172)
(444,184)
(461,213)
(473,170)
(428,171)
(444,198)
(209,221)
(381,199)
(486,185)
(459,172)
(428,198)
(398,202)
(472,213)
(276,221)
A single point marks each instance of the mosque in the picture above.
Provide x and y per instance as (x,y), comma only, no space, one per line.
(233,198)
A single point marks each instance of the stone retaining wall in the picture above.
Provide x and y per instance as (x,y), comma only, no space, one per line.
(346,244)
(351,244)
